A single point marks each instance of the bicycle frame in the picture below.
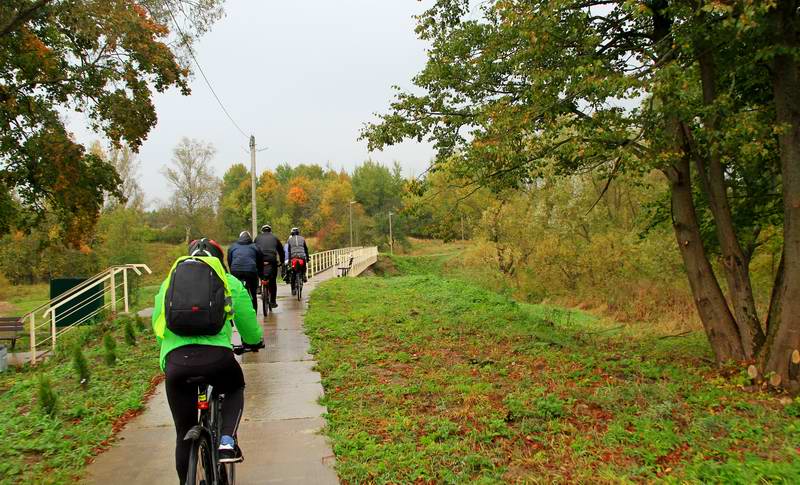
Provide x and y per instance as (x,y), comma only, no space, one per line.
(210,425)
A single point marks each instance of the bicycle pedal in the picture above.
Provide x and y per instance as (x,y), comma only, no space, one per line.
(237,459)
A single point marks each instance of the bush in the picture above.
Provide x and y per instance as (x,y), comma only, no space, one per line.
(48,399)
(80,365)
(110,346)
(130,333)
(140,325)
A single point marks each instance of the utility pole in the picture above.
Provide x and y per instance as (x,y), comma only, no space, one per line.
(391,236)
(351,222)
(253,183)
(463,237)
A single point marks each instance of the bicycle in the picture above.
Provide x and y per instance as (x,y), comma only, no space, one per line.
(296,280)
(204,465)
(266,296)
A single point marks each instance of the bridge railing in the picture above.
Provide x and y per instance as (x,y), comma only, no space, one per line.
(325,260)
(106,291)
(363,257)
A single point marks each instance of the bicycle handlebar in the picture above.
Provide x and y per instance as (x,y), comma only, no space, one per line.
(241,349)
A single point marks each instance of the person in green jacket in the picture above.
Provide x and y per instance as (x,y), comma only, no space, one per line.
(209,356)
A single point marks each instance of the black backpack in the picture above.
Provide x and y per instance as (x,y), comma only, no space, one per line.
(195,303)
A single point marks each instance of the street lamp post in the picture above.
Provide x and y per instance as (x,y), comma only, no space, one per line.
(351,222)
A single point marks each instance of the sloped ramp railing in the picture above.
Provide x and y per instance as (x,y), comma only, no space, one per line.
(110,289)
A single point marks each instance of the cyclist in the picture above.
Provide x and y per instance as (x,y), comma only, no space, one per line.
(247,264)
(210,356)
(272,249)
(297,250)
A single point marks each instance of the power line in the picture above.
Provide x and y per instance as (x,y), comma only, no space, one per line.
(205,78)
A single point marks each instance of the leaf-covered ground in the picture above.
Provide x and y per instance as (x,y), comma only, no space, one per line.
(430,380)
(43,449)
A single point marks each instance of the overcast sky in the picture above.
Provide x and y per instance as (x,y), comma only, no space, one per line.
(301,76)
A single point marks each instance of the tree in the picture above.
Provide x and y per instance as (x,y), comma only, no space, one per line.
(234,203)
(377,188)
(572,86)
(100,58)
(196,187)
(124,161)
(334,212)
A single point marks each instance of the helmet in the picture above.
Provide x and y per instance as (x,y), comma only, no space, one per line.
(266,228)
(207,247)
(295,231)
(245,234)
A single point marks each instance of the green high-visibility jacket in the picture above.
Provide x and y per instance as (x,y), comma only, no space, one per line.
(244,317)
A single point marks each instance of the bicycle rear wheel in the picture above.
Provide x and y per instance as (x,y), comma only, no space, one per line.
(265,298)
(201,463)
(299,287)
(227,473)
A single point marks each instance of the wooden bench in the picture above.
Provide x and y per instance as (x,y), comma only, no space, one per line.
(10,328)
(343,270)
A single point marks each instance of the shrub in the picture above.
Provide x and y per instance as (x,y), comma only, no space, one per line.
(140,325)
(110,346)
(130,333)
(80,365)
(48,399)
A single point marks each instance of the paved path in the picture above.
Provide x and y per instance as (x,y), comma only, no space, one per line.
(279,432)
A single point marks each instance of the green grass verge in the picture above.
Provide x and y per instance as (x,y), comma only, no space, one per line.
(436,380)
(38,448)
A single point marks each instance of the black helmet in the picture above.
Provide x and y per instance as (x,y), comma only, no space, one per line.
(266,228)
(295,231)
(207,247)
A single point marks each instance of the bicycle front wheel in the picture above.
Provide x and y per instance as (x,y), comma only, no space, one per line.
(201,463)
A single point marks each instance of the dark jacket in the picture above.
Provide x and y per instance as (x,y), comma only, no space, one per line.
(270,246)
(245,257)
(297,247)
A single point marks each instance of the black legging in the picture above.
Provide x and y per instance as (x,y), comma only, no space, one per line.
(219,367)
(251,282)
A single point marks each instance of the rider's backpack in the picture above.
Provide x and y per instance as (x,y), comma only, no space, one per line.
(196,302)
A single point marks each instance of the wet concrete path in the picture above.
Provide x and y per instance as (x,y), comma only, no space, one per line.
(279,433)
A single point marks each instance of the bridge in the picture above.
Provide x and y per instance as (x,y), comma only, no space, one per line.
(279,433)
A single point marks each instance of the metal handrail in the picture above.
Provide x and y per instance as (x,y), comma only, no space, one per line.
(106,280)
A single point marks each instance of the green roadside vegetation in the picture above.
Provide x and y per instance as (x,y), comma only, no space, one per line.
(435,379)
(46,447)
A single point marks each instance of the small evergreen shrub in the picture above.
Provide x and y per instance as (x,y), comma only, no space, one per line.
(81,365)
(48,399)
(110,346)
(140,325)
(130,333)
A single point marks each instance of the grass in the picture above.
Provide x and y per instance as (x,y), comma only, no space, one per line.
(39,448)
(434,380)
(20,299)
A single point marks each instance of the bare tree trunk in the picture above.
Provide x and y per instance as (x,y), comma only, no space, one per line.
(773,315)
(717,320)
(786,87)
(734,261)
